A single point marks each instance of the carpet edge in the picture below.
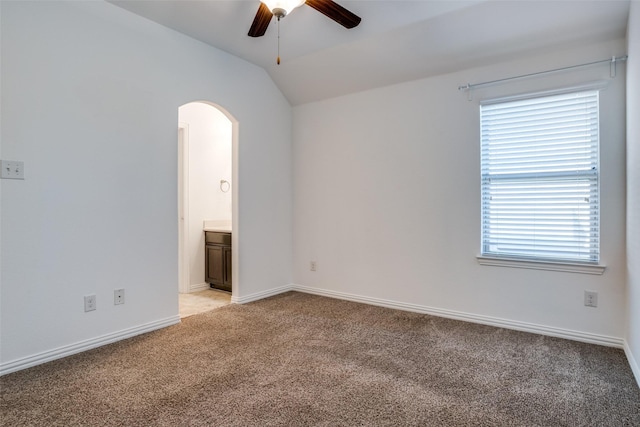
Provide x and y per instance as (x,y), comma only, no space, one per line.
(552,331)
(632,362)
(78,347)
(261,295)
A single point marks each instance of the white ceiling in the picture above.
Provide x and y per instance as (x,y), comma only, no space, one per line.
(397,40)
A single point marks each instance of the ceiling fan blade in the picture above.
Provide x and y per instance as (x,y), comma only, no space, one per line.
(261,21)
(334,11)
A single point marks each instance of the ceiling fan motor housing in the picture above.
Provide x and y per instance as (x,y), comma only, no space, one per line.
(279,12)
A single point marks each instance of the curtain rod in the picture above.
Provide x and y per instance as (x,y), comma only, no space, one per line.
(613,60)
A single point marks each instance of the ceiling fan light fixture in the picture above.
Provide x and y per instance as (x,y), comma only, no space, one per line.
(281,8)
(267,9)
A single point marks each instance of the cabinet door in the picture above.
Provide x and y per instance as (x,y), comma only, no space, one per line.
(227,266)
(215,264)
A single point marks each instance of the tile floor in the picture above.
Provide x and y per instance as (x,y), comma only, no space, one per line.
(201,301)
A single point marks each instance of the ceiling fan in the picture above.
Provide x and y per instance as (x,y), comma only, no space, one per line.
(280,8)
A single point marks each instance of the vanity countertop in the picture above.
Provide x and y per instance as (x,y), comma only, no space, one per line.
(221,226)
(219,229)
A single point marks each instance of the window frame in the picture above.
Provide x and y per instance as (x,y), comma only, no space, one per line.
(532,262)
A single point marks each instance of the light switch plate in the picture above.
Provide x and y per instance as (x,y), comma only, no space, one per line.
(12,169)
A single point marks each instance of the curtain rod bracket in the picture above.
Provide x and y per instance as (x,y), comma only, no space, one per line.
(467,88)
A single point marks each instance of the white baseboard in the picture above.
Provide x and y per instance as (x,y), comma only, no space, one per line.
(68,350)
(635,368)
(260,295)
(198,287)
(470,317)
(47,356)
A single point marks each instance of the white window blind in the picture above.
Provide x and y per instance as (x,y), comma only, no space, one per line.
(540,178)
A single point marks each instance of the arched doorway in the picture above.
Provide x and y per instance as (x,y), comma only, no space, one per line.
(205,195)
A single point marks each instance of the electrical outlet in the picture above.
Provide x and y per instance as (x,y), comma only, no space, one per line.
(89,302)
(118,296)
(590,298)
(312,266)
(12,170)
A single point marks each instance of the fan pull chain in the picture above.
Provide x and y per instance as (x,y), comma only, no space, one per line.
(278,60)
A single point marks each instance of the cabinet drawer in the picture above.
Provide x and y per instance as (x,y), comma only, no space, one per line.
(213,237)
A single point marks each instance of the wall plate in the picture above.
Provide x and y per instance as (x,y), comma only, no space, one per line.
(12,169)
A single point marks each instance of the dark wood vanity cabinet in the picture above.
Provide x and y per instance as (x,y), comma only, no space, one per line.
(218,260)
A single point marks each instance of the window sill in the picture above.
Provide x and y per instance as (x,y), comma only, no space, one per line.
(568,267)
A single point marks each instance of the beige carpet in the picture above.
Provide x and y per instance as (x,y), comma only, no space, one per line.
(303,360)
(202,301)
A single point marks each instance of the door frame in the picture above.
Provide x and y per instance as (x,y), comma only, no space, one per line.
(184,285)
(183,208)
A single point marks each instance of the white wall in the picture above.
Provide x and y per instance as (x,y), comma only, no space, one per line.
(210,157)
(90,97)
(633,189)
(387,202)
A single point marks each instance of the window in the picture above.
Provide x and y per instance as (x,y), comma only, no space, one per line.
(540,178)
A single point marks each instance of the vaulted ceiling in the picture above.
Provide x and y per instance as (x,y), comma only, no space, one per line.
(397,40)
